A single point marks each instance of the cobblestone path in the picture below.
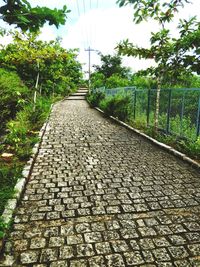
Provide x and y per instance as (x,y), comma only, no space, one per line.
(99,195)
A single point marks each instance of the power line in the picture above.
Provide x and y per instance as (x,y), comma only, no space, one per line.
(84,6)
(77,4)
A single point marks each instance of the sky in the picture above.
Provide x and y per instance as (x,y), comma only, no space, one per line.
(101,25)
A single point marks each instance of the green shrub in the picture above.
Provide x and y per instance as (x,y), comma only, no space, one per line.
(117,106)
(95,98)
(17,133)
(12,95)
(9,174)
(2,227)
(24,150)
(37,117)
(116,80)
(192,148)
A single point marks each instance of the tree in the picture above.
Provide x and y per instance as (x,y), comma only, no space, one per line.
(21,14)
(112,65)
(172,55)
(44,66)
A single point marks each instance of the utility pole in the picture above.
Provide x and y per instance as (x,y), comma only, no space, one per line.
(89,50)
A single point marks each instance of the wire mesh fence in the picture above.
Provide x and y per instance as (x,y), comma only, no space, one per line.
(179,110)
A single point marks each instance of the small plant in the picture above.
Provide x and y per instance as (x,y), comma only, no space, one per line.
(17,134)
(3,226)
(9,174)
(12,95)
(96,98)
(117,106)
(192,148)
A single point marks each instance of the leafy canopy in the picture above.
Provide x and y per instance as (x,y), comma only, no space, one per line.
(25,17)
(111,65)
(173,56)
(161,11)
(27,55)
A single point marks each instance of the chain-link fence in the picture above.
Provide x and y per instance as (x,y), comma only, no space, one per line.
(179,110)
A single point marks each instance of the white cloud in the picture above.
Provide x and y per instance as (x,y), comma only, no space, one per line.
(102,25)
(47,33)
(103,28)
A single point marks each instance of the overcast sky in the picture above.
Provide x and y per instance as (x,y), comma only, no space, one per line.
(101,24)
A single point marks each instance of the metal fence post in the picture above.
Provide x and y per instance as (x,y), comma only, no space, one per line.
(169,111)
(134,110)
(182,112)
(198,119)
(148,106)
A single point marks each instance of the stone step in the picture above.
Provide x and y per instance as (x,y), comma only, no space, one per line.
(78,94)
(75,98)
(82,91)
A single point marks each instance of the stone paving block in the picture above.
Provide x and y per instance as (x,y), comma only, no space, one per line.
(120,246)
(37,243)
(133,258)
(93,237)
(78,263)
(56,241)
(178,252)
(51,231)
(103,248)
(115,260)
(194,249)
(85,250)
(74,239)
(20,245)
(30,256)
(48,254)
(160,254)
(66,252)
(97,261)
(59,264)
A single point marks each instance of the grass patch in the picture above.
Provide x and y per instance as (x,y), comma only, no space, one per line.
(22,135)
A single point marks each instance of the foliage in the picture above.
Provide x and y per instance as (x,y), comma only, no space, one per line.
(174,56)
(95,98)
(142,82)
(183,131)
(161,11)
(115,81)
(97,80)
(12,95)
(58,69)
(21,14)
(117,106)
(2,228)
(27,120)
(9,174)
(21,137)
(112,65)
(192,148)
(110,73)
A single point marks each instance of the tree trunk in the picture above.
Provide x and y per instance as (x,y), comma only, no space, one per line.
(34,100)
(35,92)
(41,89)
(157,106)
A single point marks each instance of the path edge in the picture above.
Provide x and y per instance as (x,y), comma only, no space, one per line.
(165,147)
(19,188)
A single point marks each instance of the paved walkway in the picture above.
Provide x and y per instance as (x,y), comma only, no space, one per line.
(99,195)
